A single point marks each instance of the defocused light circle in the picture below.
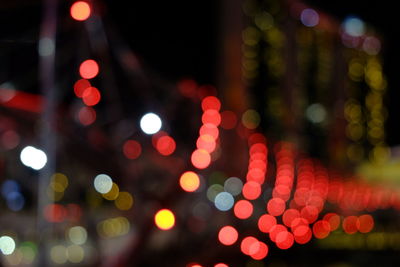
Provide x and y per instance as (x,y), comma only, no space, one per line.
(7,245)
(80,10)
(189,181)
(309,17)
(224,201)
(33,157)
(103,183)
(164,219)
(150,123)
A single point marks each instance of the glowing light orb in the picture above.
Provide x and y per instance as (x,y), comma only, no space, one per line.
(33,157)
(228,235)
(354,26)
(103,183)
(366,223)
(249,245)
(224,201)
(189,181)
(150,123)
(262,251)
(89,69)
(77,235)
(132,149)
(165,145)
(7,245)
(266,222)
(80,11)
(243,209)
(201,159)
(233,185)
(91,96)
(164,219)
(309,17)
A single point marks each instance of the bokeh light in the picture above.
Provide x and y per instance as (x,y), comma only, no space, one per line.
(80,86)
(89,69)
(7,245)
(266,222)
(243,209)
(276,206)
(309,17)
(224,201)
(132,149)
(77,235)
(86,115)
(33,157)
(103,183)
(233,185)
(164,219)
(80,10)
(91,96)
(124,201)
(228,235)
(200,158)
(354,26)
(189,181)
(165,145)
(150,123)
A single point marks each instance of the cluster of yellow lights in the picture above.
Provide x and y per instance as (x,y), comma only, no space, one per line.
(354,130)
(113,227)
(369,241)
(58,185)
(61,254)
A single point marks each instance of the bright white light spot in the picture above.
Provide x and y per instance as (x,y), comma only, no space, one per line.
(233,185)
(77,235)
(309,17)
(150,123)
(354,27)
(224,201)
(316,113)
(7,245)
(103,183)
(33,157)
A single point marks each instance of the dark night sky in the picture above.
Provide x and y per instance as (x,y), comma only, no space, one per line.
(180,38)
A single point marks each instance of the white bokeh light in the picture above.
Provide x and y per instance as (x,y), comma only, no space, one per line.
(7,245)
(33,157)
(150,123)
(103,183)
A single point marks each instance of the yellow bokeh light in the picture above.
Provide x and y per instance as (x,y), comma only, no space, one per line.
(54,195)
(59,182)
(251,119)
(113,193)
(124,201)
(189,181)
(164,219)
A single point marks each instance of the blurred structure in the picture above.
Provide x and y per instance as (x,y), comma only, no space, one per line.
(104,162)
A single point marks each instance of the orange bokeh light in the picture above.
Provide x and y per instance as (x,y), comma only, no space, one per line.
(189,181)
(243,209)
(206,142)
(366,223)
(228,235)
(80,10)
(91,96)
(164,219)
(221,265)
(80,86)
(165,145)
(201,159)
(321,229)
(88,69)
(132,149)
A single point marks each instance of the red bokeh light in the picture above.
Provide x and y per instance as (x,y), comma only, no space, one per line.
(276,206)
(86,115)
(88,69)
(243,209)
(209,129)
(262,251)
(350,224)
(228,235)
(284,240)
(266,222)
(321,229)
(211,116)
(55,213)
(249,245)
(251,190)
(91,96)
(206,142)
(289,215)
(333,219)
(228,119)
(166,145)
(132,149)
(310,213)
(80,86)
(302,234)
(210,102)
(366,223)
(275,230)
(187,88)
